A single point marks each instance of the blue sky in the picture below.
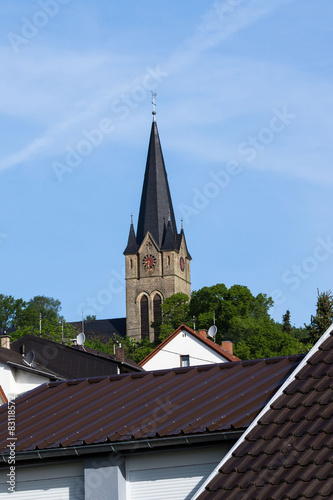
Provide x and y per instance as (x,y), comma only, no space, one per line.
(244,110)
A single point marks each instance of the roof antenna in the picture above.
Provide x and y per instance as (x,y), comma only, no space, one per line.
(153,95)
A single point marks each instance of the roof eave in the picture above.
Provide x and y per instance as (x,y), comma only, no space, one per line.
(124,446)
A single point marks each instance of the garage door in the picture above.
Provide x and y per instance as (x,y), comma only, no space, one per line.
(56,482)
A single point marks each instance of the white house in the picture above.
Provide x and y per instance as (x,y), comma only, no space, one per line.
(17,375)
(186,347)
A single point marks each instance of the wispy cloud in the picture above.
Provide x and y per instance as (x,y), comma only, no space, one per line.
(78,83)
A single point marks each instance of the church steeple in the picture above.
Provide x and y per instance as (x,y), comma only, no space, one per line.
(156,204)
(132,245)
(157,258)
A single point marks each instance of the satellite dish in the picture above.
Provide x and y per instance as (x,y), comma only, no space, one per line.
(80,339)
(212,331)
(29,359)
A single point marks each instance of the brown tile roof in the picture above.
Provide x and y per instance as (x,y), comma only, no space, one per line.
(288,452)
(146,405)
(212,345)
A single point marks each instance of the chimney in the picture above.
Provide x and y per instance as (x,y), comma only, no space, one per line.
(5,341)
(120,353)
(203,333)
(227,346)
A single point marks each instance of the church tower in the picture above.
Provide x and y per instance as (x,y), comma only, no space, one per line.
(156,257)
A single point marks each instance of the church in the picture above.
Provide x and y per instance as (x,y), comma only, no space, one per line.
(157,261)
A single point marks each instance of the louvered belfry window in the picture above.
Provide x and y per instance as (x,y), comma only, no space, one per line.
(144,317)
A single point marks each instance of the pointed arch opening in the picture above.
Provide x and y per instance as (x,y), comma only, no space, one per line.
(144,314)
(157,311)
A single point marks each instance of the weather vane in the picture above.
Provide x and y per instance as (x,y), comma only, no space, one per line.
(153,94)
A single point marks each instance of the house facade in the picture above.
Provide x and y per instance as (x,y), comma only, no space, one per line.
(17,376)
(186,347)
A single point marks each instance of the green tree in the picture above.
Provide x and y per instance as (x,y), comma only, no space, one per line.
(286,326)
(265,339)
(135,351)
(10,311)
(175,311)
(323,318)
(232,309)
(41,316)
(90,317)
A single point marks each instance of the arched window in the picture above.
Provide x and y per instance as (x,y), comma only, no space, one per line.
(144,312)
(168,260)
(157,313)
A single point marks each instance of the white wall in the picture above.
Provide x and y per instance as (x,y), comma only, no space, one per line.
(171,475)
(44,482)
(6,379)
(15,381)
(183,344)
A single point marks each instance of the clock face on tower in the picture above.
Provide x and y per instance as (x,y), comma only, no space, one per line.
(149,261)
(182,264)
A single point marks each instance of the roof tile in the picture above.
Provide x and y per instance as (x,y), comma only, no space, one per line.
(145,405)
(288,453)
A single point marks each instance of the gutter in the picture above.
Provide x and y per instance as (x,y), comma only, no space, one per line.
(122,446)
(138,368)
(34,370)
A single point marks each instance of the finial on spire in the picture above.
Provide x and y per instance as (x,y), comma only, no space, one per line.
(181,223)
(131,218)
(153,95)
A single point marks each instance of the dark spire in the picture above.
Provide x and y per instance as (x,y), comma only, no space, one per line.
(132,246)
(169,240)
(156,204)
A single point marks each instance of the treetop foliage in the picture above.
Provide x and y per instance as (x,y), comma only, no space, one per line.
(239,316)
(323,318)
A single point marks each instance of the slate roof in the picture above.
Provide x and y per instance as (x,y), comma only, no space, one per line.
(156,204)
(288,452)
(208,400)
(103,328)
(132,246)
(208,343)
(70,362)
(16,360)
